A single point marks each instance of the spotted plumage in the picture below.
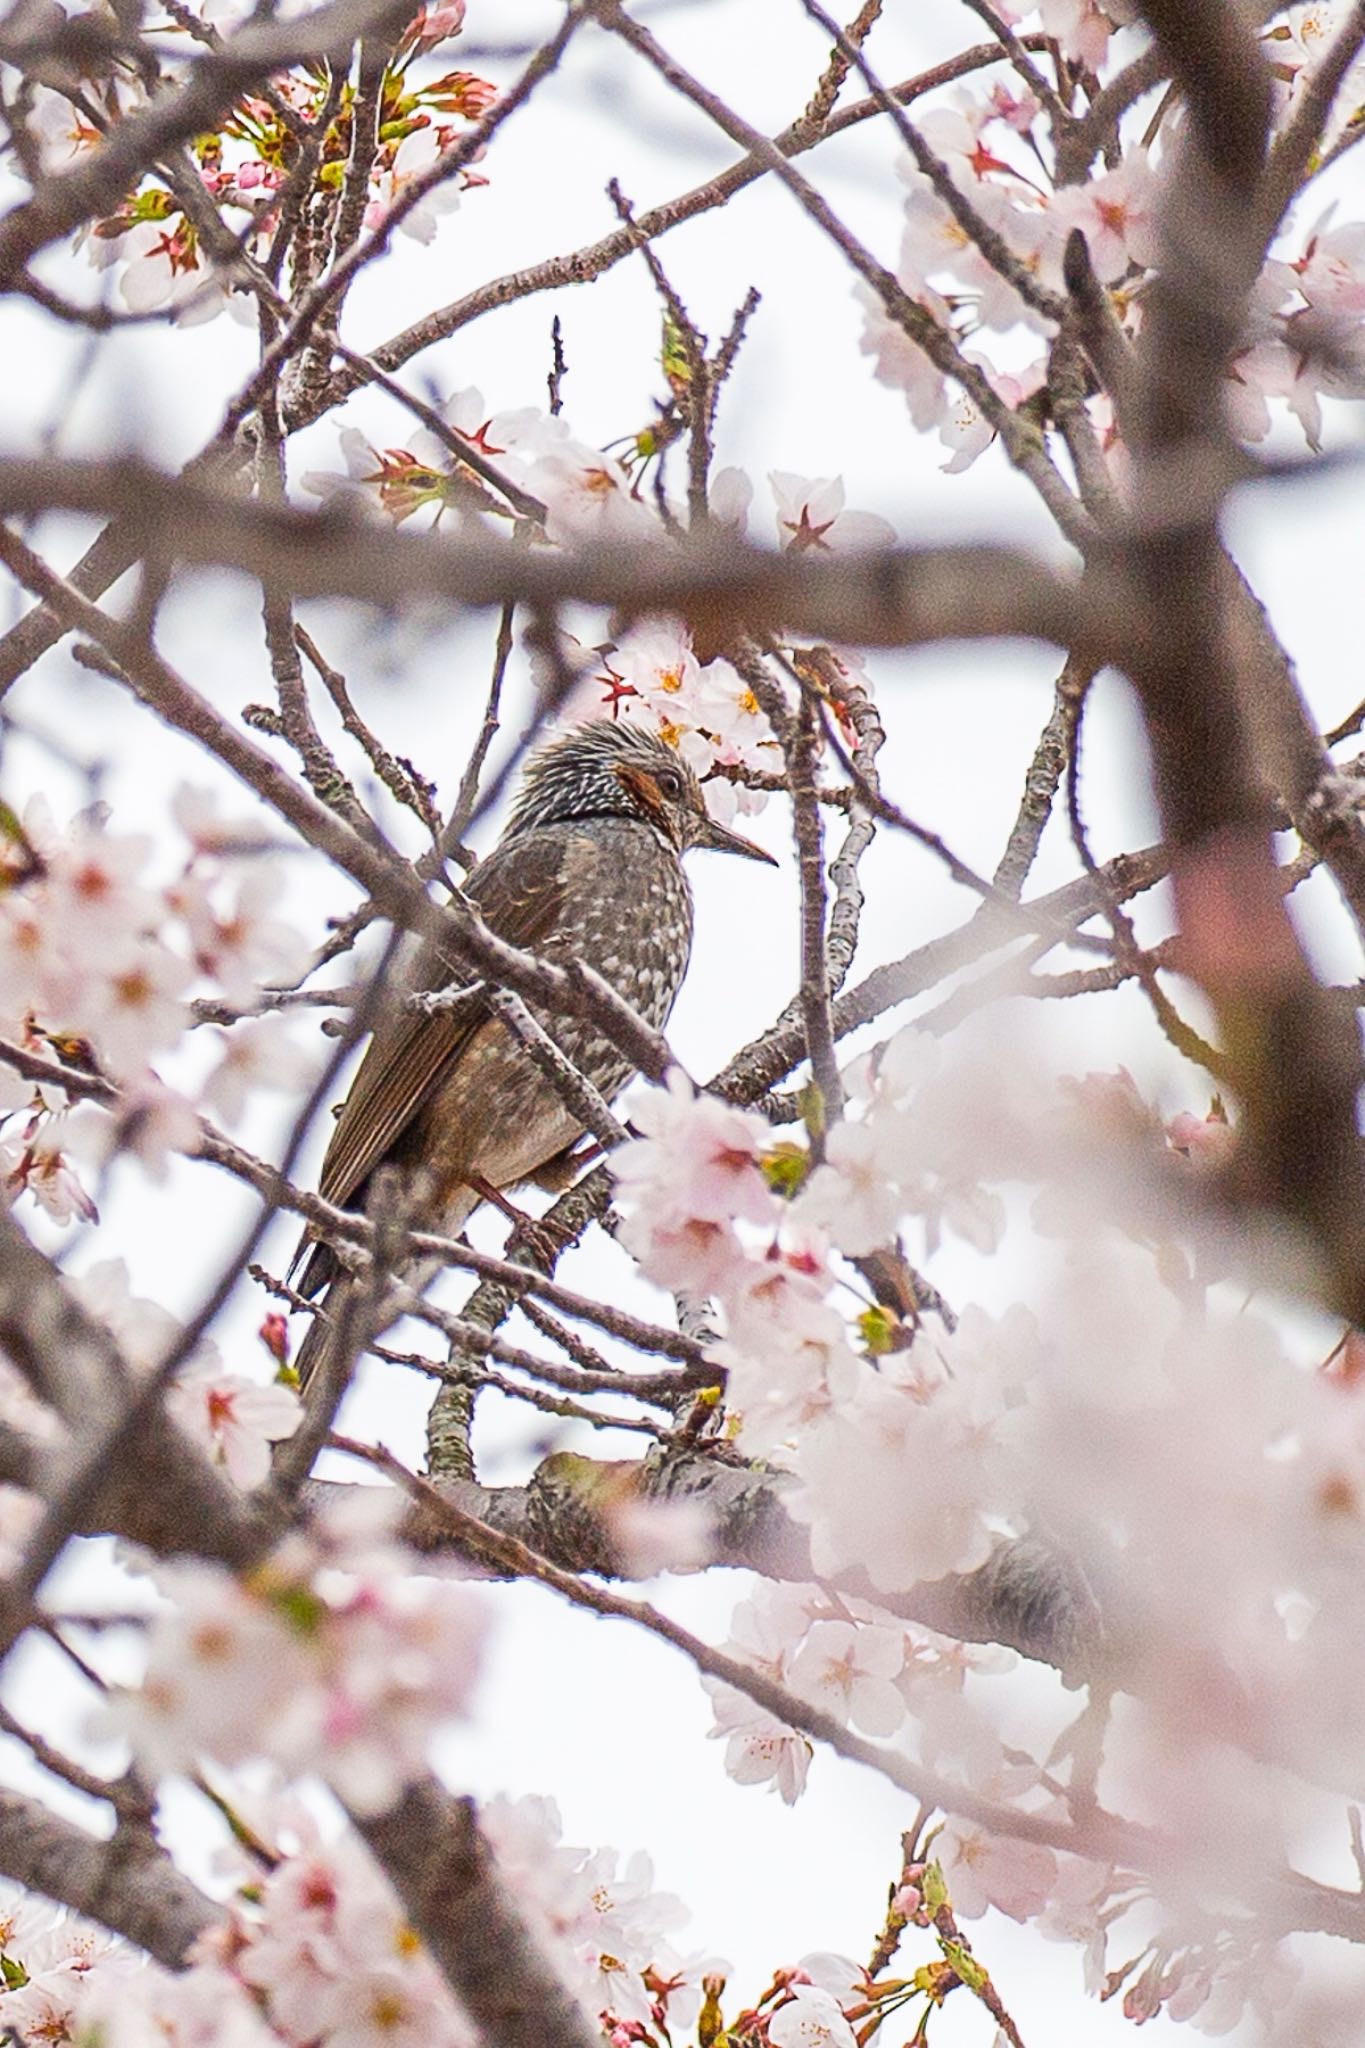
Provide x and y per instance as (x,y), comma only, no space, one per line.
(589,868)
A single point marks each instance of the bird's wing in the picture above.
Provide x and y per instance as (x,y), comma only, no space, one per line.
(520,892)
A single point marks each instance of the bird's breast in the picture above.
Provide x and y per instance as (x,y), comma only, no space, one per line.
(628,913)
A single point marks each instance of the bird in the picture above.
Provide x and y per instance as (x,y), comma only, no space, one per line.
(589,868)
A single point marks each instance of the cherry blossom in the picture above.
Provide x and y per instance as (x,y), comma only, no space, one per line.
(849,1670)
(759,1749)
(329,1953)
(811,514)
(142,1329)
(223,1668)
(810,2018)
(60,129)
(981,1870)
(39,1165)
(661,1536)
(1116,212)
(953,1433)
(729,497)
(1081,27)
(365,1657)
(240,942)
(258,1052)
(150,1122)
(698,1155)
(588,496)
(1296,43)
(233,1418)
(854,1193)
(97,962)
(437,23)
(198,814)
(137,1005)
(417,155)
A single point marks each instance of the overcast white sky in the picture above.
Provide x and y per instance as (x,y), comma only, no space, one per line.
(609,1724)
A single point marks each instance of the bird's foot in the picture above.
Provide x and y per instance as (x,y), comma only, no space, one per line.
(528,1241)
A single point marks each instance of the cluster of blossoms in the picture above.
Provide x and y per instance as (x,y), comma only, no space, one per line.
(1137,1408)
(1306,333)
(231,1417)
(654,672)
(245,167)
(714,1206)
(314,1950)
(334,1654)
(97,965)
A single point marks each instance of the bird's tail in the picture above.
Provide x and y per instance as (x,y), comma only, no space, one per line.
(327,1334)
(347,1320)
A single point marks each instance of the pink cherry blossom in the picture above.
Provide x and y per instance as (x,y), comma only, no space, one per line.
(198,813)
(142,1329)
(222,1668)
(234,1419)
(653,1536)
(258,1052)
(150,1122)
(1331,271)
(897,361)
(1015,105)
(1081,27)
(848,1671)
(1205,1141)
(855,1193)
(729,497)
(365,1658)
(240,941)
(437,23)
(1014,1876)
(1116,212)
(697,1157)
(134,1005)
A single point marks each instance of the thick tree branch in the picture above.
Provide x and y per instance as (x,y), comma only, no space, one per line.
(442,1869)
(127,1882)
(896,598)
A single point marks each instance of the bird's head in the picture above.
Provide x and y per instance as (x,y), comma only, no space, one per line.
(611,769)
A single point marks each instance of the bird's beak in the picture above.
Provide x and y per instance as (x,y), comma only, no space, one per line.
(722,840)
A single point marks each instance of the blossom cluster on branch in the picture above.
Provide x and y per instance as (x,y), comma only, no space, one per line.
(1304,340)
(918,1447)
(156,238)
(1122,1419)
(98,961)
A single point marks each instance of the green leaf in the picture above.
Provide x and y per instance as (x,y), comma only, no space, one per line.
(784,1166)
(933,1889)
(967,1967)
(880,1329)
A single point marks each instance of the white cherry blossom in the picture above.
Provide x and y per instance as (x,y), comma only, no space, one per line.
(811,515)
(810,2018)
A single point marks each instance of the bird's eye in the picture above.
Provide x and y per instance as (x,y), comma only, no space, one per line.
(670,782)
